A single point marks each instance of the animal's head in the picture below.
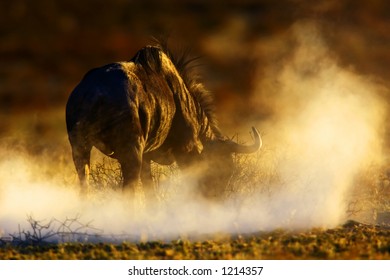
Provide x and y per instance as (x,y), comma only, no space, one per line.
(217,165)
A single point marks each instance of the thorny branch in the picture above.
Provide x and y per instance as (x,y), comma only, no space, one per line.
(71,229)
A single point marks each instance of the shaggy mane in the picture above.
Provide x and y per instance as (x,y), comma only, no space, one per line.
(184,64)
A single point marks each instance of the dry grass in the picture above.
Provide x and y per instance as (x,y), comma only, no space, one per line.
(351,241)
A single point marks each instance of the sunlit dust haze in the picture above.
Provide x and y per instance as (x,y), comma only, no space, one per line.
(324,127)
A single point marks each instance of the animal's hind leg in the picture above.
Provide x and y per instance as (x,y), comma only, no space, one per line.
(81,159)
(130,161)
(147,183)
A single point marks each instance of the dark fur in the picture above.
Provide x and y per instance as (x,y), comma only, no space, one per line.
(150,108)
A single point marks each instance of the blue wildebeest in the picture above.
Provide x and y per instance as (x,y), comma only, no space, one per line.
(150,109)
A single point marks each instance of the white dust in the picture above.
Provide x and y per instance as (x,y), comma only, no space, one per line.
(325,128)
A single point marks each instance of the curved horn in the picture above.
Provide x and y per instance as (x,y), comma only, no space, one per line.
(243,149)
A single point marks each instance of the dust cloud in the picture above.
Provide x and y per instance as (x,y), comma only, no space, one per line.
(325,127)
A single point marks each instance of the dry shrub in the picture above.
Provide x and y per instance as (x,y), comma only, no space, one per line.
(259,173)
(369,199)
(252,173)
(106,176)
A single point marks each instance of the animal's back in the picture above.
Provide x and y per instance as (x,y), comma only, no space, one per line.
(102,90)
(118,104)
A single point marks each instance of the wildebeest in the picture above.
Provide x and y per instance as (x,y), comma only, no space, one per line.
(150,108)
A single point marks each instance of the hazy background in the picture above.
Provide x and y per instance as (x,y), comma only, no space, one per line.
(311,76)
(47,46)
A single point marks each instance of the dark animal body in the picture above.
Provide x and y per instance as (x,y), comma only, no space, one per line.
(150,109)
